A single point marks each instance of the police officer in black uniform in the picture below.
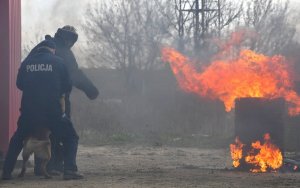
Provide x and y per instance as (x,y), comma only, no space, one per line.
(43,79)
(64,39)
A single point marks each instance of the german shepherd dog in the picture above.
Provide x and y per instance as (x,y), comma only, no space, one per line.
(38,142)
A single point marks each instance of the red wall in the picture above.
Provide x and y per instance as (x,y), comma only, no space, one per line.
(10,58)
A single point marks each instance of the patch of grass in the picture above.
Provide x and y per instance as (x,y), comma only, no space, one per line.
(201,141)
(122,137)
(96,138)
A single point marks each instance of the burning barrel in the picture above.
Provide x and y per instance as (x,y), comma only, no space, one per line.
(259,126)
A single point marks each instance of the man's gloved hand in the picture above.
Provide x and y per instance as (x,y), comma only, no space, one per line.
(93,93)
(82,82)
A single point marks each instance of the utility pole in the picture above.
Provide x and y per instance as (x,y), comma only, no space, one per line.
(219,18)
(197,23)
(180,23)
(189,13)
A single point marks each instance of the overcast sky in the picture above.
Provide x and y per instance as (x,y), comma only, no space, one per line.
(40,17)
(52,12)
(45,16)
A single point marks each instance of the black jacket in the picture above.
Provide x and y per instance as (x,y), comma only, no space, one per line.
(78,78)
(43,78)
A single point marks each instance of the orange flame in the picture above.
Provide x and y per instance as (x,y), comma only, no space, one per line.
(236,151)
(249,75)
(269,156)
(261,156)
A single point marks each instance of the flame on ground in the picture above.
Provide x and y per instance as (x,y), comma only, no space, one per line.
(236,151)
(249,75)
(269,156)
(263,157)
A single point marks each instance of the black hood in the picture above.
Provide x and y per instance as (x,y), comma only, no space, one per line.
(68,38)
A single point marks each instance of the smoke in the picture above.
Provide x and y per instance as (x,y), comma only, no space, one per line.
(40,17)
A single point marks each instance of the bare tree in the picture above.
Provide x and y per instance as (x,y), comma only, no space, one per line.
(271,21)
(126,34)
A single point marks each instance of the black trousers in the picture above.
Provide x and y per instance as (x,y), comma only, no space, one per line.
(61,129)
(15,147)
(57,157)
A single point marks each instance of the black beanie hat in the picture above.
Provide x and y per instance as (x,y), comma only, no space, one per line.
(67,33)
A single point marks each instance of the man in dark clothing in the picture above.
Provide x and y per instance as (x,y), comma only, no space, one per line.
(64,39)
(43,79)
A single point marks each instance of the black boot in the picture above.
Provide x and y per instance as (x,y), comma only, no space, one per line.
(6,176)
(72,175)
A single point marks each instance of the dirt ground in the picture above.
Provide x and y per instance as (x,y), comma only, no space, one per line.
(139,166)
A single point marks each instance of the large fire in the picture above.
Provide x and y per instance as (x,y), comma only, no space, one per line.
(248,75)
(239,74)
(263,157)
